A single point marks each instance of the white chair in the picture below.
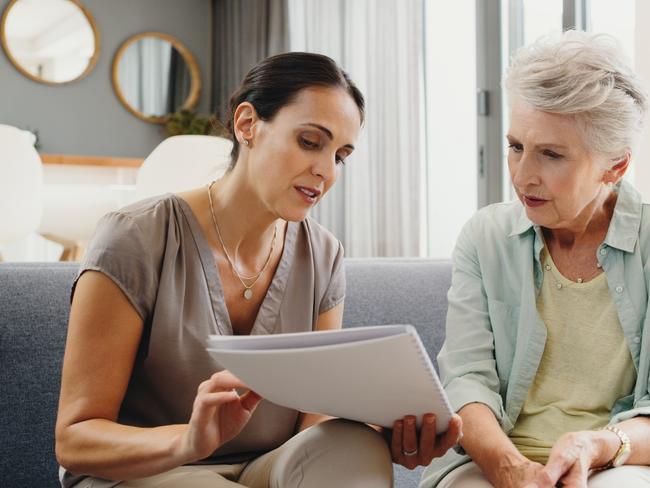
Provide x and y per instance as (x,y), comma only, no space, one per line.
(21,185)
(181,163)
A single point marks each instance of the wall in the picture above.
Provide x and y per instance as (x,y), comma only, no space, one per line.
(642,65)
(85,117)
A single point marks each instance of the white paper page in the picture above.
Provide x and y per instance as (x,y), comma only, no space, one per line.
(376,380)
(306,339)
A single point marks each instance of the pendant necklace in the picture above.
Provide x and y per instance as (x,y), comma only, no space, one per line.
(248,288)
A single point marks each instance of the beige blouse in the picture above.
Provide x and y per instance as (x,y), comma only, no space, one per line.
(156,252)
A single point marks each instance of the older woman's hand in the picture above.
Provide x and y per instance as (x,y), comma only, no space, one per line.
(411,450)
(571,458)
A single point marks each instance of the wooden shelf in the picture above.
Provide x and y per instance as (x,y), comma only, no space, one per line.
(105,161)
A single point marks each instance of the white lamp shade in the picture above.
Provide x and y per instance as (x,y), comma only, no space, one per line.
(21,184)
(182,163)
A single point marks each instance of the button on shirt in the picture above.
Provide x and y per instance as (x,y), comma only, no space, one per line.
(495,336)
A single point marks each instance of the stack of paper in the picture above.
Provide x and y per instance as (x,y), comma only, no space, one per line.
(373,374)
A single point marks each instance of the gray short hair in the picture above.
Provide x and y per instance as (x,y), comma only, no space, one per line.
(588,76)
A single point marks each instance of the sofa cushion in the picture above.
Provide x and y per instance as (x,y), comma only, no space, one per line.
(34,299)
(382,291)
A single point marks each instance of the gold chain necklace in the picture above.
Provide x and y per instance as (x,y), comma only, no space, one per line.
(248,291)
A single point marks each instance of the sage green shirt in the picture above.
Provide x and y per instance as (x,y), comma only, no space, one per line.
(495,336)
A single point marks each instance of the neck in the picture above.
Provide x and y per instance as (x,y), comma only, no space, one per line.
(245,223)
(590,226)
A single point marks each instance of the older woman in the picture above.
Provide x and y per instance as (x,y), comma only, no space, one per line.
(547,356)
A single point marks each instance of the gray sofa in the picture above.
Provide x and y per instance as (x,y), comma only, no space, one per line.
(34,302)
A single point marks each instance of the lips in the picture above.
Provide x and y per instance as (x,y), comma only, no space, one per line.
(309,194)
(531,201)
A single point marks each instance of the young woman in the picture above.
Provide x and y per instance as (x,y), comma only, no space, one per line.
(141,404)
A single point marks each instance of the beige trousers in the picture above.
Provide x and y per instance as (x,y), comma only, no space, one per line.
(470,476)
(332,454)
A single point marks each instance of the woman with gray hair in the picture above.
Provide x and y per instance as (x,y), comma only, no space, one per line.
(547,355)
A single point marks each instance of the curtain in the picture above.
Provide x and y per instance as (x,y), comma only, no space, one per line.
(377,205)
(179,83)
(144,75)
(245,32)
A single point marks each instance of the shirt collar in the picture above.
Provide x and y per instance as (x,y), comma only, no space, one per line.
(623,229)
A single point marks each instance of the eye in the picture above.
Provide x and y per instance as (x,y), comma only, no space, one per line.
(552,154)
(340,160)
(308,144)
(516,147)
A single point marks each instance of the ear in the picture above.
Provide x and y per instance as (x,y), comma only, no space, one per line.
(615,173)
(244,121)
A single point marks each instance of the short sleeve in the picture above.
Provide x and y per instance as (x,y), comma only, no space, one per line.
(335,291)
(125,249)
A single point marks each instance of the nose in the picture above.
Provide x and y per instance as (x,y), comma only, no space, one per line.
(325,167)
(523,170)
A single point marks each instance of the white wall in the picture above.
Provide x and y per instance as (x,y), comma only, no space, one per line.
(451,121)
(642,64)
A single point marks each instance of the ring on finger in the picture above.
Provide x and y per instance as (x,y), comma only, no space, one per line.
(412,453)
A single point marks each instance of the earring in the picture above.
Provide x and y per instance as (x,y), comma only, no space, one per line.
(245,141)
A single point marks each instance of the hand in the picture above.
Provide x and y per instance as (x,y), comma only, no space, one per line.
(410,452)
(218,415)
(572,457)
(515,475)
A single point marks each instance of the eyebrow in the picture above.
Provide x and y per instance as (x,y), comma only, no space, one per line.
(512,139)
(327,132)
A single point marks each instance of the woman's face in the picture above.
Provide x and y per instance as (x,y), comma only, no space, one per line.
(296,157)
(556,177)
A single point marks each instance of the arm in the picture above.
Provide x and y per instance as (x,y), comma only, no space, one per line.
(500,461)
(467,359)
(104,332)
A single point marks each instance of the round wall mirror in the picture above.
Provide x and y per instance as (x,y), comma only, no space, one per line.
(50,41)
(154,75)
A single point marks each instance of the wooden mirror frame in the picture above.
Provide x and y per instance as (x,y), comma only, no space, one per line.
(91,63)
(195,75)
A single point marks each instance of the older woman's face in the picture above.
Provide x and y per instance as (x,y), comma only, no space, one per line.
(555,175)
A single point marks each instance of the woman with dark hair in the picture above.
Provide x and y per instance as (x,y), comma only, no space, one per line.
(140,402)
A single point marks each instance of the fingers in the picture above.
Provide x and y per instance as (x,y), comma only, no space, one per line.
(410,442)
(205,403)
(404,439)
(250,400)
(396,441)
(223,380)
(569,461)
(559,463)
(425,446)
(449,438)
(428,438)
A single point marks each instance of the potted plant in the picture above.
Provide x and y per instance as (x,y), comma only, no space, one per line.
(189,122)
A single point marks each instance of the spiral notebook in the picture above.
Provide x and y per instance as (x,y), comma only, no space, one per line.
(374,374)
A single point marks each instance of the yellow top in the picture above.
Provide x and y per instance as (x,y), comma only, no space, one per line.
(585,368)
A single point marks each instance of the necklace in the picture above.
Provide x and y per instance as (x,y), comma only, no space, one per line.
(548,260)
(248,289)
